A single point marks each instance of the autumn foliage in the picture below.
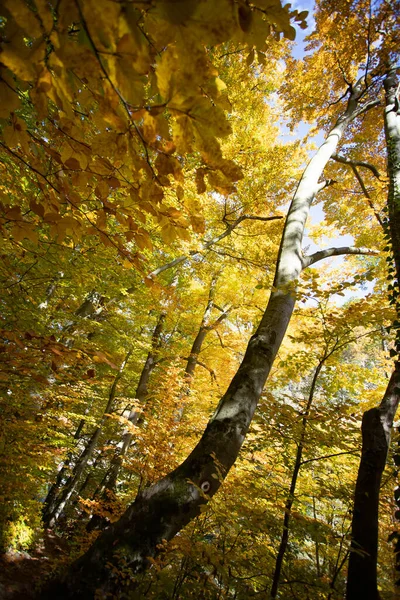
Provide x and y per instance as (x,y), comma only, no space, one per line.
(147,164)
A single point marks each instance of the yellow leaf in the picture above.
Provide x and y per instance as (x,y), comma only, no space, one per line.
(143,240)
(24,17)
(72,163)
(199,180)
(17,64)
(168,233)
(127,264)
(149,127)
(182,134)
(9,100)
(198,223)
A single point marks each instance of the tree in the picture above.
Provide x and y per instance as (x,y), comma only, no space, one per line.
(172,88)
(378,422)
(161,510)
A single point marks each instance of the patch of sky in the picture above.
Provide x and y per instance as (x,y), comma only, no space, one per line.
(301,132)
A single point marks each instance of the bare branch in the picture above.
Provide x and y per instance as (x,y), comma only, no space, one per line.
(357,163)
(304,462)
(323,184)
(365,108)
(321,254)
(206,245)
(211,371)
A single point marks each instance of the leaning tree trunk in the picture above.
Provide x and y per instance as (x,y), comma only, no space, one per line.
(377,422)
(163,509)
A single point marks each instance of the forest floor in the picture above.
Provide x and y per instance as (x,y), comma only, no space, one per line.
(23,573)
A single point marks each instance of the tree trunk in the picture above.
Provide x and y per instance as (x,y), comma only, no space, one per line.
(376,427)
(69,488)
(202,332)
(377,422)
(205,327)
(110,480)
(290,499)
(51,498)
(164,508)
(392,132)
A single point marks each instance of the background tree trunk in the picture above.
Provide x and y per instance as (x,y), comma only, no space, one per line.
(377,422)
(62,501)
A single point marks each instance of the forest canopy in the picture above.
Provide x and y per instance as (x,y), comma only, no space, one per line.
(196,396)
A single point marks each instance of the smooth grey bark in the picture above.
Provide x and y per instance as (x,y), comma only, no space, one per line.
(322,254)
(392,133)
(377,422)
(71,483)
(357,163)
(164,508)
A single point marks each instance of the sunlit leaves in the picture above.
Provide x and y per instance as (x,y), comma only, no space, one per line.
(115,92)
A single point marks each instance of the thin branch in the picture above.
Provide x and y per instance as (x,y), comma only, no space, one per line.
(116,90)
(211,371)
(367,194)
(321,254)
(368,43)
(340,98)
(303,462)
(206,245)
(357,163)
(120,249)
(365,108)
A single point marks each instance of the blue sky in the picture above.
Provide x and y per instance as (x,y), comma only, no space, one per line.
(317,213)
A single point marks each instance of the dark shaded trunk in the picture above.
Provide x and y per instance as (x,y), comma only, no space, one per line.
(51,498)
(376,428)
(194,353)
(377,422)
(205,327)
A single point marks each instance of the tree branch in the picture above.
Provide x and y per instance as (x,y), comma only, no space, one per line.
(357,163)
(206,245)
(365,108)
(304,462)
(321,254)
(211,371)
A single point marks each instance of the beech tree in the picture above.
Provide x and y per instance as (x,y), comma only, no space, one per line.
(140,159)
